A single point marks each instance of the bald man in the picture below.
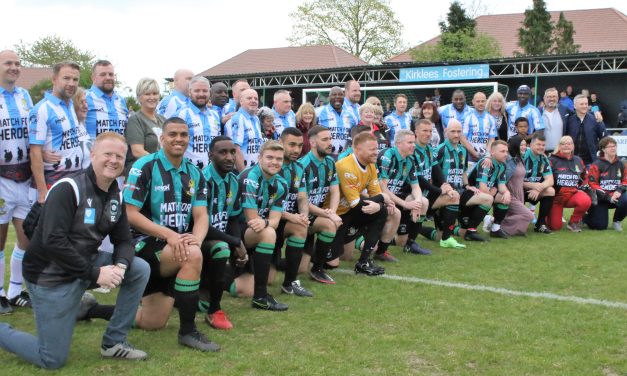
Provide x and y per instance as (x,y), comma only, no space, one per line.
(15,173)
(479,129)
(245,131)
(179,97)
(231,108)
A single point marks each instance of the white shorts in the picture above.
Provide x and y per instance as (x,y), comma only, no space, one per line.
(14,201)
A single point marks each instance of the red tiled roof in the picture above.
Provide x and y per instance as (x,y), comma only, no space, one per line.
(595,30)
(284,59)
(29,77)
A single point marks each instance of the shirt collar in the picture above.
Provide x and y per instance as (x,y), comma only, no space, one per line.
(101,93)
(246,114)
(56,100)
(530,154)
(450,146)
(197,110)
(168,166)
(315,159)
(3,90)
(397,154)
(216,175)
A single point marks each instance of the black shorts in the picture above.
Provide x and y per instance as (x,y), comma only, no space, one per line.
(465,196)
(149,249)
(280,241)
(527,199)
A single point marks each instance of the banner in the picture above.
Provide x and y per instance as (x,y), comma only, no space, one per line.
(445,73)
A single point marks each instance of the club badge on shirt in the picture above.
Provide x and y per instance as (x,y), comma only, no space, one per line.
(90,216)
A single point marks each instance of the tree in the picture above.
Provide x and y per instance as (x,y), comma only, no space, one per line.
(563,42)
(461,45)
(534,37)
(52,49)
(457,20)
(365,28)
(459,40)
(49,50)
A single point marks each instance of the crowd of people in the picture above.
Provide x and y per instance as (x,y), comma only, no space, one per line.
(198,194)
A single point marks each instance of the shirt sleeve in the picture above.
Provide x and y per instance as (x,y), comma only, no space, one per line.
(138,184)
(537,119)
(384,166)
(237,130)
(373,185)
(334,178)
(249,192)
(281,192)
(547,170)
(200,192)
(38,125)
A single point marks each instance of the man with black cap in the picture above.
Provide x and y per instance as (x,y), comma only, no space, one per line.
(522,108)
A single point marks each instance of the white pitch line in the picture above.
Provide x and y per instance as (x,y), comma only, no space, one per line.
(499,290)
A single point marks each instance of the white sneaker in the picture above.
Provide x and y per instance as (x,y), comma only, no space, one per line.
(123,351)
(617,226)
(487,223)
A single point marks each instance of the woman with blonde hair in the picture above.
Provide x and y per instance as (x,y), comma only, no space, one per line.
(144,126)
(305,119)
(367,114)
(570,176)
(495,106)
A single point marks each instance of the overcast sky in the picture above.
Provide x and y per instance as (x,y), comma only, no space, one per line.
(152,38)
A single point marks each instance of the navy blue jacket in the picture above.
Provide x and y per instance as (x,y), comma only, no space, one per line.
(593,131)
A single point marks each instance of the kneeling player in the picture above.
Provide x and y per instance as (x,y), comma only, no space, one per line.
(452,158)
(491,180)
(164,192)
(396,170)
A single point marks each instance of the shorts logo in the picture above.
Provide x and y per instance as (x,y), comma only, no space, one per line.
(162,188)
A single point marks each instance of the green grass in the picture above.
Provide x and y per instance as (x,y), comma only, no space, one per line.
(376,326)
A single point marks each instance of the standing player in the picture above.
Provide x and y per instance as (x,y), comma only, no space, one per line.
(107,111)
(284,117)
(399,119)
(522,108)
(337,119)
(457,109)
(453,160)
(203,122)
(397,171)
(263,191)
(164,194)
(179,97)
(350,107)
(54,128)
(245,130)
(15,174)
(233,105)
(440,194)
(491,180)
(324,197)
(295,217)
(479,129)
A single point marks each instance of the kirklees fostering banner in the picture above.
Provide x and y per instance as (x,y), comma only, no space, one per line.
(445,73)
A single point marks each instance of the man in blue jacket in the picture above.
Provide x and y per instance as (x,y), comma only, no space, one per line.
(585,130)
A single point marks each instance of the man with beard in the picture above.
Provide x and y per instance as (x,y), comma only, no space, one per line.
(15,174)
(452,158)
(203,122)
(245,130)
(55,128)
(522,108)
(263,191)
(323,191)
(554,116)
(295,217)
(166,204)
(338,120)
(489,178)
(107,111)
(284,117)
(457,109)
(224,235)
(179,97)
(362,204)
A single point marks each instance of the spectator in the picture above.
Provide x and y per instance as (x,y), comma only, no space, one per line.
(608,177)
(595,105)
(305,120)
(430,112)
(570,92)
(437,98)
(266,119)
(368,118)
(569,175)
(622,115)
(585,130)
(496,107)
(415,111)
(566,101)
(554,118)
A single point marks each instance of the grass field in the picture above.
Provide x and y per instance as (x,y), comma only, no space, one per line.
(379,326)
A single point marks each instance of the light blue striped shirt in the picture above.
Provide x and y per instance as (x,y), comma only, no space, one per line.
(14,110)
(449,112)
(172,104)
(105,113)
(395,122)
(479,129)
(339,125)
(352,110)
(514,111)
(245,130)
(283,121)
(204,126)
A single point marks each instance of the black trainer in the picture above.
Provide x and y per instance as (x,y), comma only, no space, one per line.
(368,268)
(414,248)
(499,234)
(543,229)
(22,300)
(321,276)
(5,307)
(197,340)
(268,303)
(473,236)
